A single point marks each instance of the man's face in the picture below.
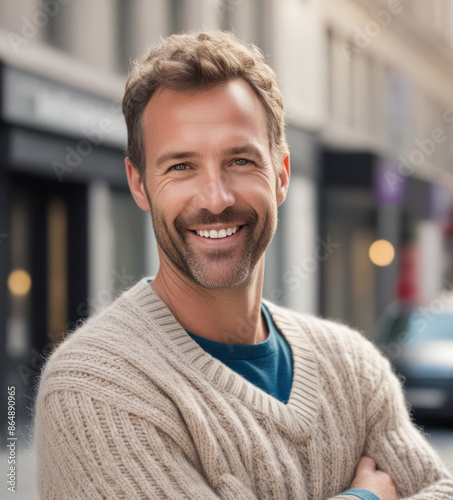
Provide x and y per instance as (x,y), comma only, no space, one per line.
(210,183)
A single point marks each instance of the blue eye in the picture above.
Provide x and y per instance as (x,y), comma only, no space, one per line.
(242,160)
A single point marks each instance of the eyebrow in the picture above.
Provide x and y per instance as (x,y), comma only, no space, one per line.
(185,155)
(247,149)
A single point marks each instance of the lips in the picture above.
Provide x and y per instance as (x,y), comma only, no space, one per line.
(209,226)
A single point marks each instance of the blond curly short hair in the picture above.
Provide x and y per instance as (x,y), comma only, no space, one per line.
(193,62)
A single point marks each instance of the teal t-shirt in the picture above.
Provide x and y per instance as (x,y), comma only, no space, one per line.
(268,365)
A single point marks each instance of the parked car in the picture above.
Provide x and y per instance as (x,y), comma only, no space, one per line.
(419,343)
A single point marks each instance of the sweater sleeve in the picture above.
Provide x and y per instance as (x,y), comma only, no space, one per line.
(394,442)
(90,449)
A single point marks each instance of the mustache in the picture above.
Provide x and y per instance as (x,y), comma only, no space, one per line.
(229,216)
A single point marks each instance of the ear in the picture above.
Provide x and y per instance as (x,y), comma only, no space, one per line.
(136,186)
(283,180)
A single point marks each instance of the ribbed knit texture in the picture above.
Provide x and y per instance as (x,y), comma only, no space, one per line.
(129,406)
(268,364)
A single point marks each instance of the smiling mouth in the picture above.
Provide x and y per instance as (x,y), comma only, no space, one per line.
(221,233)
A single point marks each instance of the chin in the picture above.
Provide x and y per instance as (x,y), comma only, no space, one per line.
(217,281)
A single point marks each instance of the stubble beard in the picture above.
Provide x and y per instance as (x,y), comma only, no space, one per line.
(201,268)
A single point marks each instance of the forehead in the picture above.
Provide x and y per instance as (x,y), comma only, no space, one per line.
(226,113)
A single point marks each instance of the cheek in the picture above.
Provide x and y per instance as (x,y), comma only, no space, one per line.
(173,198)
(170,199)
(257,191)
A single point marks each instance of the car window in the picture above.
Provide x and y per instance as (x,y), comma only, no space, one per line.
(398,327)
(422,328)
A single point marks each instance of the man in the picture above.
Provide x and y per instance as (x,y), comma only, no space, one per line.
(190,385)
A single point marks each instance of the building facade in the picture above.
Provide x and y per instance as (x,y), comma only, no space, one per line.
(387,153)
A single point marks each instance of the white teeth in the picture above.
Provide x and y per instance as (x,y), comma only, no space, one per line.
(222,233)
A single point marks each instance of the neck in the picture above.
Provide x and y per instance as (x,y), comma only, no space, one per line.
(229,315)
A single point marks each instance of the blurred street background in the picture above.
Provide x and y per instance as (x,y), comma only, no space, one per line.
(365,236)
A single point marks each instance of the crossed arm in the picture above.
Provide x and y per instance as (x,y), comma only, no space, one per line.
(398,462)
(369,478)
(120,466)
(88,448)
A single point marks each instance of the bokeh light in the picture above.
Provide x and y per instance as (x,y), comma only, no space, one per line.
(381,253)
(19,282)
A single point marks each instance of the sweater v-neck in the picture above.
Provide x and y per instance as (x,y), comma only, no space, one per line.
(298,415)
(240,352)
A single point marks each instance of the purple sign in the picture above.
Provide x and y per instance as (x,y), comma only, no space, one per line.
(389,184)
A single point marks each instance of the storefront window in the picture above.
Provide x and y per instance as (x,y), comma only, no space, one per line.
(19,279)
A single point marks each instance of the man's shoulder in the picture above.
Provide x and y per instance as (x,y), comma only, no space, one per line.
(113,320)
(113,344)
(337,350)
(311,325)
(328,337)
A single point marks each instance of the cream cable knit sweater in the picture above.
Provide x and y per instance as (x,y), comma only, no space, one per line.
(129,406)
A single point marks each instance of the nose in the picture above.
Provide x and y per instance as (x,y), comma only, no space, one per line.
(215,192)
